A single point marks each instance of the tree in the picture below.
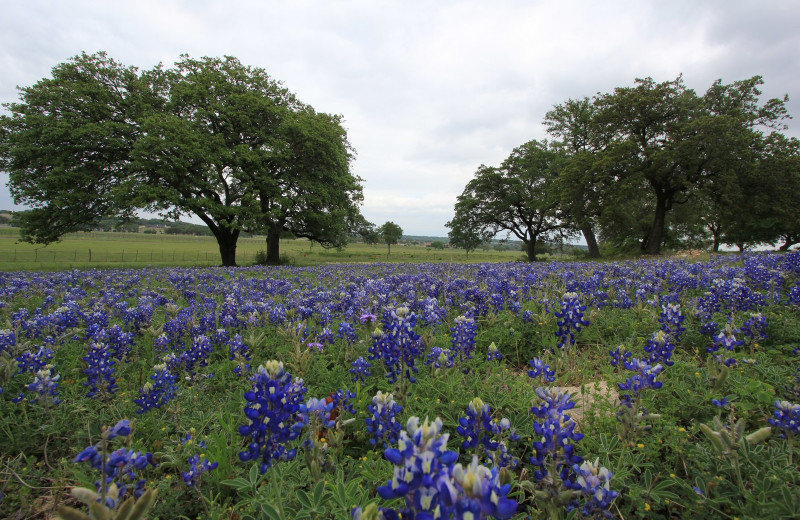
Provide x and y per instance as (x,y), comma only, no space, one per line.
(519,197)
(390,233)
(464,232)
(579,139)
(66,146)
(239,151)
(665,139)
(209,137)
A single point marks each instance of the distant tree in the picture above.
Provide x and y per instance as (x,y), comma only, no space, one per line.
(668,143)
(578,139)
(519,197)
(464,231)
(437,245)
(208,137)
(390,233)
(66,146)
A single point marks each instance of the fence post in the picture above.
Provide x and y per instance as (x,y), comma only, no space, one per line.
(90,254)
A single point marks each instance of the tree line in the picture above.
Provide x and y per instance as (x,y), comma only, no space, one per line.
(209,137)
(645,167)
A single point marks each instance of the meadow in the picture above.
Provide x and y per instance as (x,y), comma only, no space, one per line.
(657,388)
(99,249)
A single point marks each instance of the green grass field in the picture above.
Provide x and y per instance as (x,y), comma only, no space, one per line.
(111,249)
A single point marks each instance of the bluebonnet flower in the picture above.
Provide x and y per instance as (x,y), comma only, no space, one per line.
(343,400)
(462,336)
(382,424)
(367,318)
(117,468)
(617,356)
(440,357)
(660,348)
(570,319)
(592,483)
(720,403)
(725,339)
(786,417)
(347,332)
(644,378)
(318,411)
(34,361)
(398,345)
(158,391)
(44,387)
(555,453)
(432,313)
(480,494)
(422,473)
(484,435)
(671,321)
(326,336)
(754,328)
(240,354)
(197,466)
(197,354)
(540,369)
(99,371)
(7,339)
(273,413)
(360,370)
(493,354)
(220,337)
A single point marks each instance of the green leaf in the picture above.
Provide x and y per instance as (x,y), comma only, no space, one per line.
(304,499)
(270,511)
(238,483)
(68,513)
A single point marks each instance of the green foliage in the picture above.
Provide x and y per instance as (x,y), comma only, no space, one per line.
(390,233)
(208,137)
(518,198)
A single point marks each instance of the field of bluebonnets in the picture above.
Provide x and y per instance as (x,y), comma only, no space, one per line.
(409,390)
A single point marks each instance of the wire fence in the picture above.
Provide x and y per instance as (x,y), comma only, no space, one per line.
(104,256)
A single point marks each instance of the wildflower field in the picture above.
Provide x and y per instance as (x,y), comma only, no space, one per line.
(639,389)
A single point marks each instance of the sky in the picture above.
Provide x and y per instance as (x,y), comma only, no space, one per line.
(429,90)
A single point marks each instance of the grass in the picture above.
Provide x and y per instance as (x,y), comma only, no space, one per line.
(655,468)
(111,249)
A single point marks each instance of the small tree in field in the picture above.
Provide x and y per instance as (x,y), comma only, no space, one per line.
(390,233)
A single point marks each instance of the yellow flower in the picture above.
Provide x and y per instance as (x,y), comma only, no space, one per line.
(640,445)
(646,506)
(681,429)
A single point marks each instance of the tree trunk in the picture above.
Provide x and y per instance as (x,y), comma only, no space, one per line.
(226,239)
(715,246)
(591,241)
(274,244)
(653,246)
(390,248)
(530,249)
(789,242)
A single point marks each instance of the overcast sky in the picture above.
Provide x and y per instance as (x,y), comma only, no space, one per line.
(429,90)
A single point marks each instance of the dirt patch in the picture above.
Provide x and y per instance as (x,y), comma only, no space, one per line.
(588,395)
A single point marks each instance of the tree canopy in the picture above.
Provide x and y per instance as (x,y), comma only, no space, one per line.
(209,137)
(519,197)
(390,233)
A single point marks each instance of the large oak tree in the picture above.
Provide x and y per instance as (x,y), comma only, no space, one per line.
(208,137)
(519,197)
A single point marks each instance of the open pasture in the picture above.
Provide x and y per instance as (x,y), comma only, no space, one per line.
(264,392)
(117,249)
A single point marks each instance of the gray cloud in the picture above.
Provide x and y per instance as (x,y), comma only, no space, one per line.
(429,90)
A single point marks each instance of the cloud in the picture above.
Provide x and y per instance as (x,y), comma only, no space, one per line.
(429,90)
